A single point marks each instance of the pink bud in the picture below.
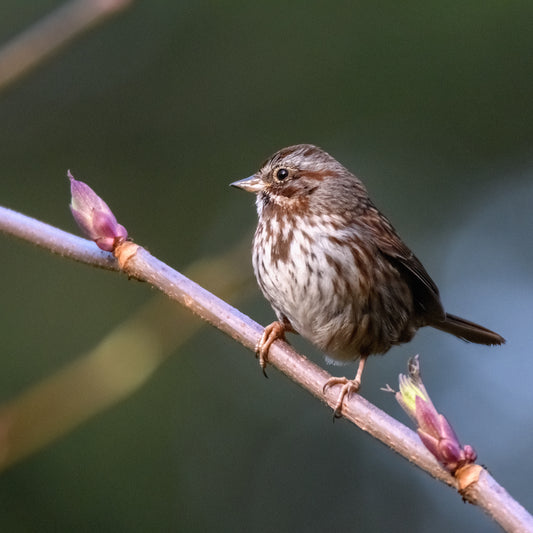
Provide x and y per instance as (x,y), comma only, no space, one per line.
(94,217)
(434,430)
(470,454)
(430,442)
(450,453)
(426,415)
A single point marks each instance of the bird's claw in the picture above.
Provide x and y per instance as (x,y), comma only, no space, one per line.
(271,333)
(349,386)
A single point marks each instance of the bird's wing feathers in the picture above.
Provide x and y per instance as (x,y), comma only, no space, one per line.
(425,291)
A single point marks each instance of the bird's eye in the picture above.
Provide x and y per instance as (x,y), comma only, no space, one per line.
(282,173)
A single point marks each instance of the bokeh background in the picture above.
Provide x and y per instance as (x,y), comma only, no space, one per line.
(159,109)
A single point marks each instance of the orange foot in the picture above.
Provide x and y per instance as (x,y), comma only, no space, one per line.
(272,333)
(349,386)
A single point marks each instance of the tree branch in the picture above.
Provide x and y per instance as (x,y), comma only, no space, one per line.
(135,261)
(55,240)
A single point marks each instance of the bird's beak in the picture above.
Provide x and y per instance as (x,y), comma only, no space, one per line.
(251,184)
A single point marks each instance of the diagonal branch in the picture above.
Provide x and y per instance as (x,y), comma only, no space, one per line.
(137,262)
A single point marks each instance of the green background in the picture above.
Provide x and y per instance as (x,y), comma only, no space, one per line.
(158,109)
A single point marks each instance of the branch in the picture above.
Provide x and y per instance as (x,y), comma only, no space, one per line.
(135,261)
(55,240)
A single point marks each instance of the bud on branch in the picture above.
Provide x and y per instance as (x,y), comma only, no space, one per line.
(94,217)
(434,430)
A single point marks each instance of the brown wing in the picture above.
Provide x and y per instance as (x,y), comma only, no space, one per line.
(425,292)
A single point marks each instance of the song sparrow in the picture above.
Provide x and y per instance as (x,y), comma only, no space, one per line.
(333,267)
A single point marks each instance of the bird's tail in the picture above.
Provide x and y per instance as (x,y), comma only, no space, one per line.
(468,331)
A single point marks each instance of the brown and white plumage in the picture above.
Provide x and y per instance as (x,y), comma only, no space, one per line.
(333,267)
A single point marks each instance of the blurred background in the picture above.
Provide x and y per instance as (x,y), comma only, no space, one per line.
(159,108)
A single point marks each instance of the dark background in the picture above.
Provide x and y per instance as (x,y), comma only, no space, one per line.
(158,110)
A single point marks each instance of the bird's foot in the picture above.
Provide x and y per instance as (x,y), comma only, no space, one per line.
(272,333)
(349,386)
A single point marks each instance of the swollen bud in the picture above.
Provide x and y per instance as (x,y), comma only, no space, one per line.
(94,217)
(434,430)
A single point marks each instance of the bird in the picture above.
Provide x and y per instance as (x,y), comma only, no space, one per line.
(334,269)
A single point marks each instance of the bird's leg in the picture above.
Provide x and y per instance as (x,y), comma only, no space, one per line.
(348,386)
(272,333)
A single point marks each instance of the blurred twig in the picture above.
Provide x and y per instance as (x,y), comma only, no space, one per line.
(137,262)
(52,32)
